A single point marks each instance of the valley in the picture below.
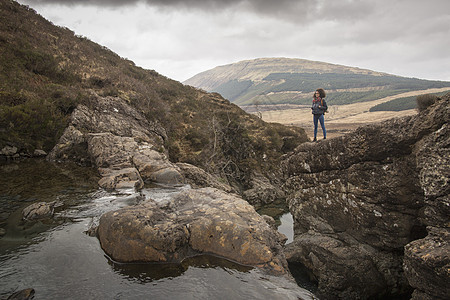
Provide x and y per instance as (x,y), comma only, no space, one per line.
(340,119)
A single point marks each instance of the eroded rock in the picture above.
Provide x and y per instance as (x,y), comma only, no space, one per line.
(358,200)
(120,142)
(196,221)
(9,150)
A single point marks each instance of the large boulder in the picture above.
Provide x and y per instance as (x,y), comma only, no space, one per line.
(358,200)
(198,221)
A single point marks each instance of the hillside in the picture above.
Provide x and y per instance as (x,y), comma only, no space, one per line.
(47,71)
(268,81)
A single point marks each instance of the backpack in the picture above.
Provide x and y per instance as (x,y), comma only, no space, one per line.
(324,104)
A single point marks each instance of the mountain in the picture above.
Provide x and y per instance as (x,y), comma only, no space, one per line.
(47,71)
(292,81)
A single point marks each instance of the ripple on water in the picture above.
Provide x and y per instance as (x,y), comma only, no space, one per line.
(59,261)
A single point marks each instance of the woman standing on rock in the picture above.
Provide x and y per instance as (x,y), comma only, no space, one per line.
(319,107)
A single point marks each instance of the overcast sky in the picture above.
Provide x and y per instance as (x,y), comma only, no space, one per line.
(180,38)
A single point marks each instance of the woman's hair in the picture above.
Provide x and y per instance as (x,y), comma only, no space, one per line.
(321,93)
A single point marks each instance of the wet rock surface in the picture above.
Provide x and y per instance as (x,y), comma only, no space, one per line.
(196,221)
(358,200)
(38,210)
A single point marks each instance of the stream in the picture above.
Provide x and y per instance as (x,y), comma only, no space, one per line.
(59,260)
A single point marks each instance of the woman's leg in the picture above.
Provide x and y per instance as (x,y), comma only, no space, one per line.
(322,124)
(315,120)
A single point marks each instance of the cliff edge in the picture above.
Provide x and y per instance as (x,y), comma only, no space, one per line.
(371,209)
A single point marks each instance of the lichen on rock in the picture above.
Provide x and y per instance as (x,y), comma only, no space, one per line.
(367,196)
(196,221)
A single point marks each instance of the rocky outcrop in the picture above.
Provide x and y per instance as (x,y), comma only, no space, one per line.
(195,221)
(114,137)
(358,200)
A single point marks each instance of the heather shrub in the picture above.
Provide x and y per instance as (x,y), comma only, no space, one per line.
(424,101)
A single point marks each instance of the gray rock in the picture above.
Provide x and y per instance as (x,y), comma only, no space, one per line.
(155,167)
(169,175)
(38,210)
(120,142)
(9,150)
(358,200)
(198,178)
(39,153)
(262,192)
(127,178)
(196,221)
(271,221)
(427,264)
(343,267)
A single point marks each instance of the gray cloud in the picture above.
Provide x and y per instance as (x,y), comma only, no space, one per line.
(180,38)
(293,10)
(264,5)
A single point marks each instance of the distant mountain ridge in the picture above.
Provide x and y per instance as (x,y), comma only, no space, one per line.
(291,81)
(258,69)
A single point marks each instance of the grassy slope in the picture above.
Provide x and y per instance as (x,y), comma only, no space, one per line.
(46,71)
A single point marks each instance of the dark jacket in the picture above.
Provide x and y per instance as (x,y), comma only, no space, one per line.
(319,106)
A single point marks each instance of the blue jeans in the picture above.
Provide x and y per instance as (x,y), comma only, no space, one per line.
(322,124)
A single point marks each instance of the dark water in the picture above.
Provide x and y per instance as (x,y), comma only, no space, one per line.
(60,261)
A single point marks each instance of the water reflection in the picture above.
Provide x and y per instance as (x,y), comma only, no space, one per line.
(148,272)
(283,218)
(287,226)
(25,182)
